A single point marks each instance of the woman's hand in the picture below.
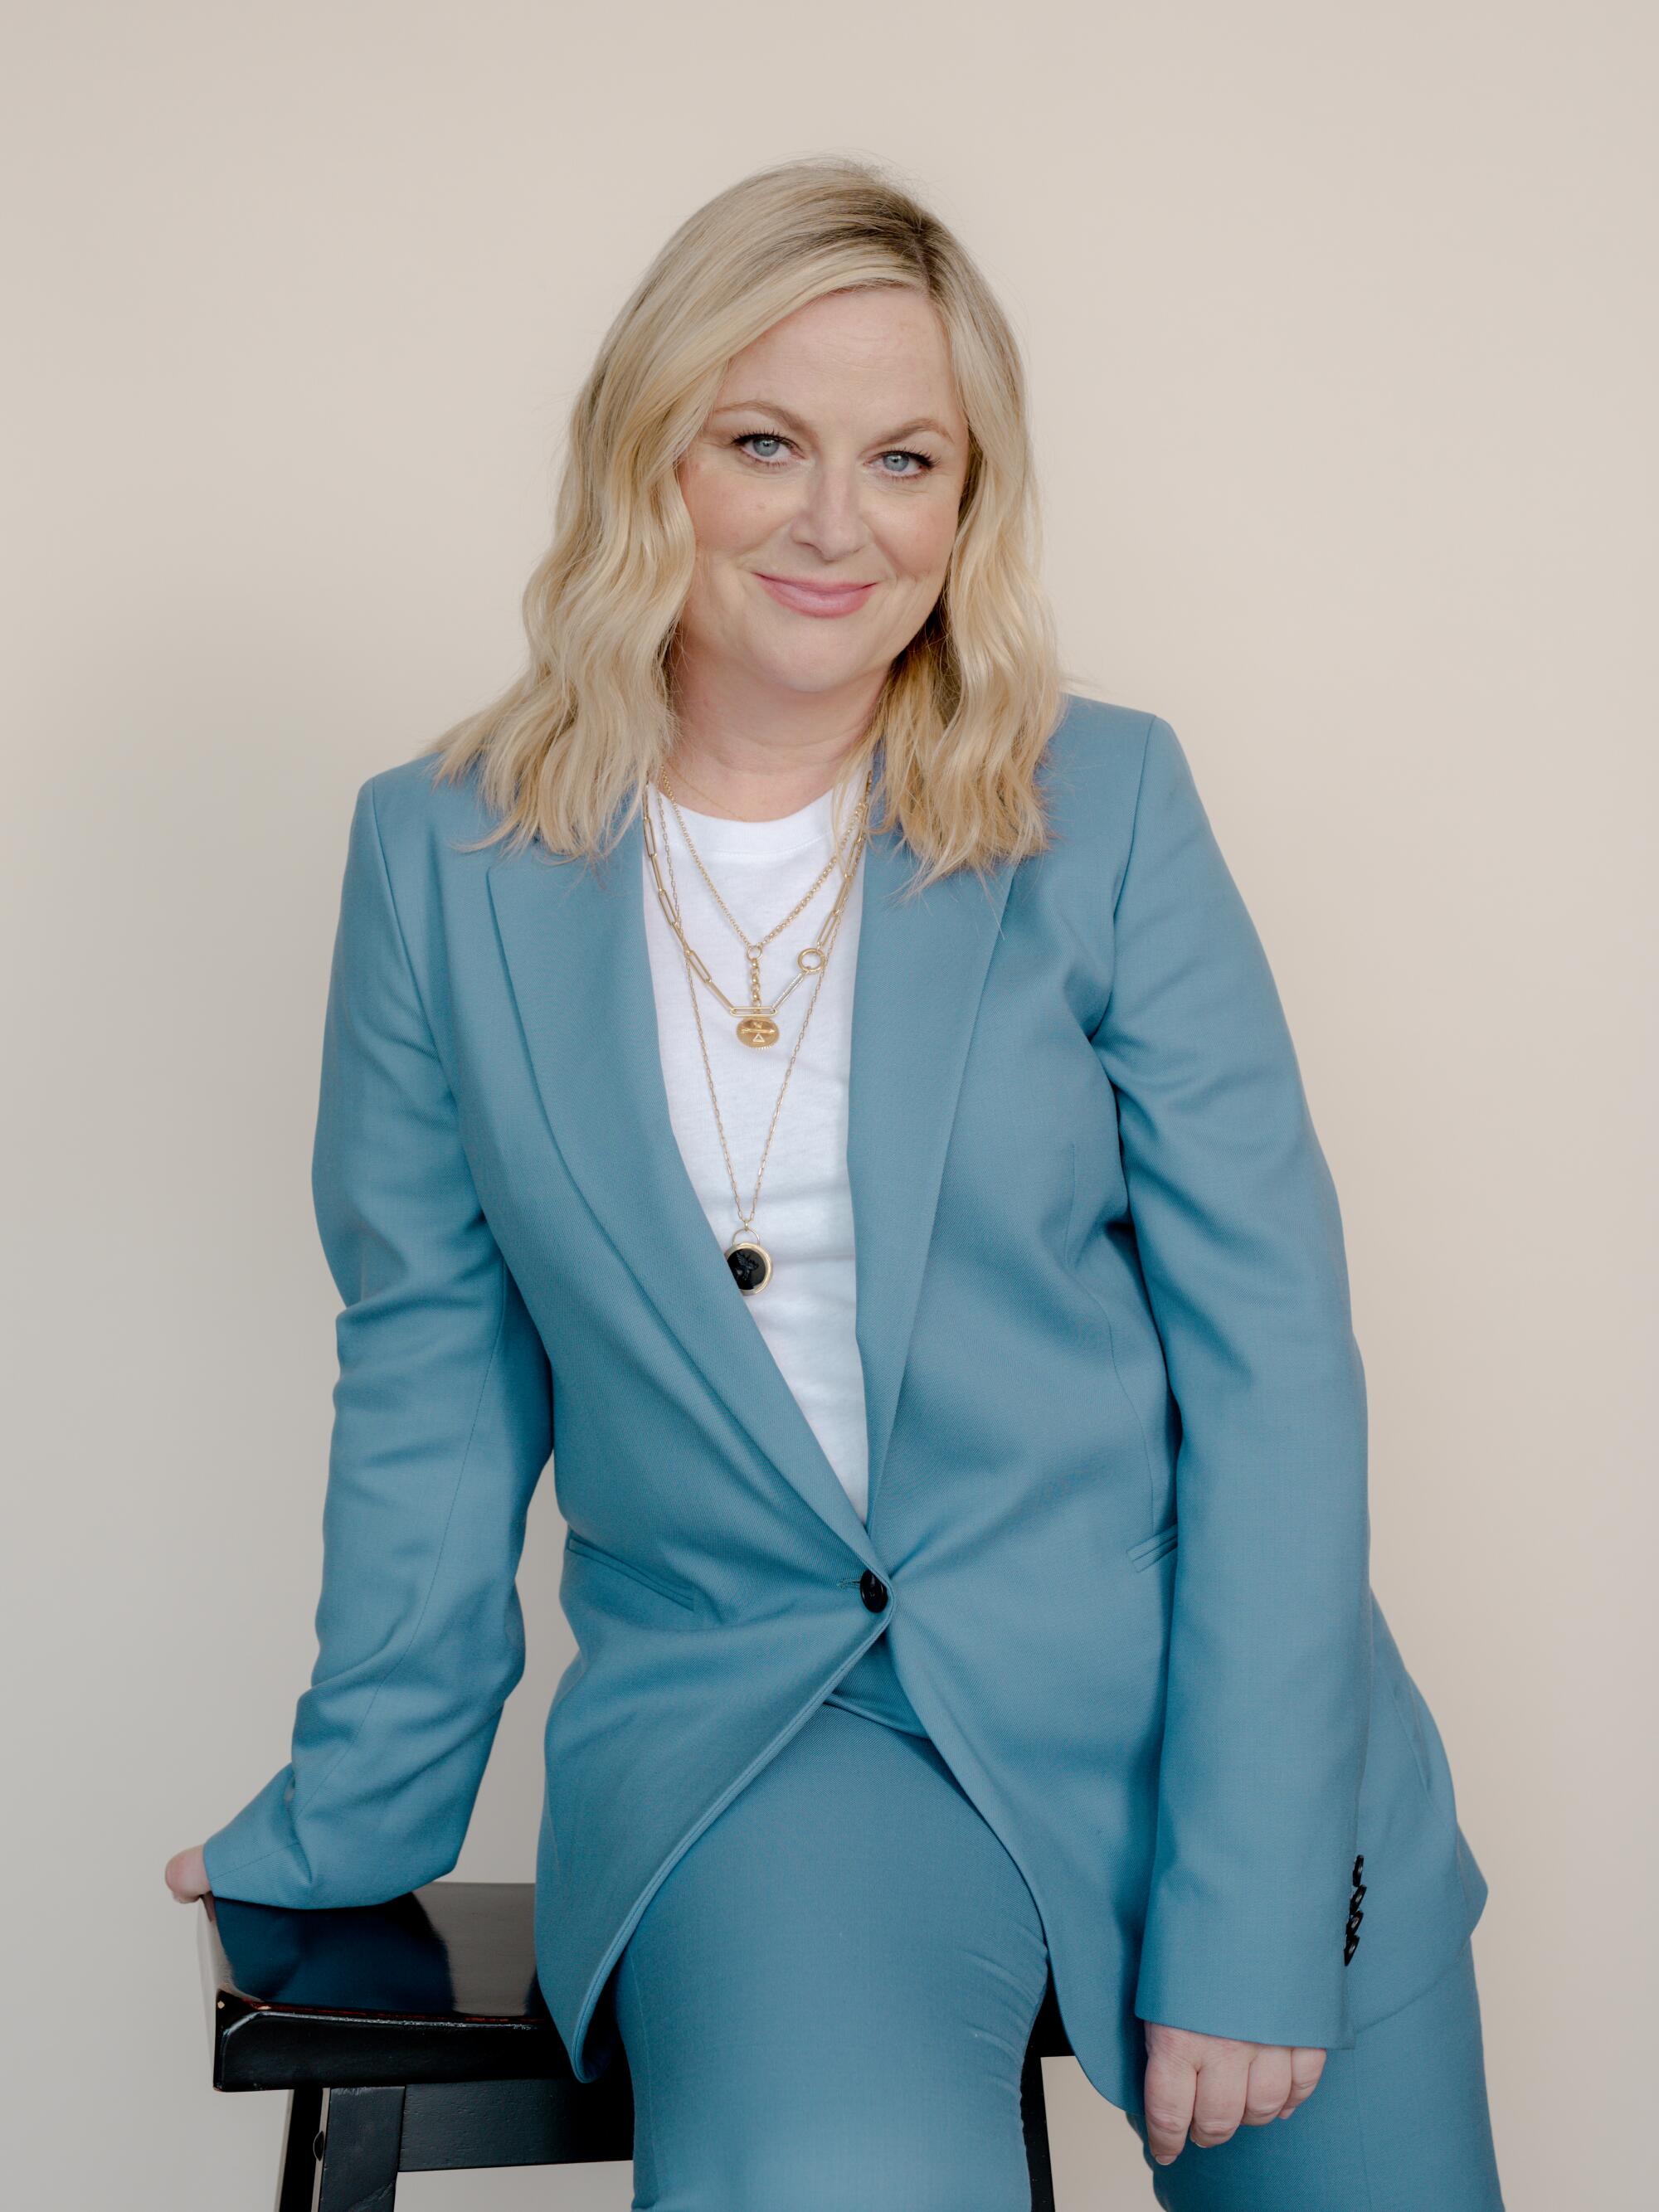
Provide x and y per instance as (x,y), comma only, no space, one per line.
(186,1876)
(1207,2085)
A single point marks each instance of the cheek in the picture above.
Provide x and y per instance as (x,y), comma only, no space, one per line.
(728,515)
(919,543)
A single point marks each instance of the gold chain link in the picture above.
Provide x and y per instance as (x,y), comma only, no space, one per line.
(815,950)
(824,945)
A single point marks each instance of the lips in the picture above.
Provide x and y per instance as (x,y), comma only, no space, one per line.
(816,599)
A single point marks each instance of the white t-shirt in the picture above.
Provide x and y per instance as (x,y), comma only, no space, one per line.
(805,1216)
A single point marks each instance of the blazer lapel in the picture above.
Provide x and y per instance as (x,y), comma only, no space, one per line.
(921,969)
(576,953)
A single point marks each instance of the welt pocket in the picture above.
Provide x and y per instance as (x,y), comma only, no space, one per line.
(677,1592)
(1154,1547)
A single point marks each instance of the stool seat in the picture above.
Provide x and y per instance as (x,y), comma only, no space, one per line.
(413,2037)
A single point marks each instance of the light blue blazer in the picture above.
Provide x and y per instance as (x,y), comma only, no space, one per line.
(1117,1422)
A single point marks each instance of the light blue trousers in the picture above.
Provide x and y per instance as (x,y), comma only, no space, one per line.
(826,2006)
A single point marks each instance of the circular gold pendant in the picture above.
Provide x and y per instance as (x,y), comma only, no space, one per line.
(751,1264)
(757,1029)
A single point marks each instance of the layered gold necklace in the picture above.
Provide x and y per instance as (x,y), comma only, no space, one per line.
(751,1265)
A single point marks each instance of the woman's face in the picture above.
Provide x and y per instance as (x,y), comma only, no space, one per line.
(835,458)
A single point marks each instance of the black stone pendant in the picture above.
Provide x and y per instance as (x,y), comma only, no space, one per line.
(751,1264)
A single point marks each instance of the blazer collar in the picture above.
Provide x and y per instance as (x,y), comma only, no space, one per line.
(575,948)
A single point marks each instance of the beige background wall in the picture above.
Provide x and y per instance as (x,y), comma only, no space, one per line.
(1341,329)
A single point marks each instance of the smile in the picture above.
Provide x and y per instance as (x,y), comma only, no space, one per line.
(816,599)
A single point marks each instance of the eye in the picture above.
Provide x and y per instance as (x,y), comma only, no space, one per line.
(761,438)
(924,464)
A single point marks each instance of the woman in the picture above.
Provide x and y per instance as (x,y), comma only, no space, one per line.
(959,1420)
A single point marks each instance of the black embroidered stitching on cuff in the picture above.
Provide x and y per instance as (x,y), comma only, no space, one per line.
(1355,1915)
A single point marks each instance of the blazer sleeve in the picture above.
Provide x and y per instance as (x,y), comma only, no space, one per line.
(1241,1247)
(441,1426)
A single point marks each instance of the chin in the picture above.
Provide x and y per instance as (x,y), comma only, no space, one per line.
(809,673)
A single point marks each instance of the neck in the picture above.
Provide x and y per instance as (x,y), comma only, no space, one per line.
(750,759)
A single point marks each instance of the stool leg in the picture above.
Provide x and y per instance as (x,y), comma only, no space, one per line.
(296,2181)
(362,2139)
(1034,2117)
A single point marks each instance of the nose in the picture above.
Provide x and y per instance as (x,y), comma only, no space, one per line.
(830,519)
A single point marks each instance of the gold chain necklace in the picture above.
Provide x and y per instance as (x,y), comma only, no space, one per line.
(750,1263)
(758,1024)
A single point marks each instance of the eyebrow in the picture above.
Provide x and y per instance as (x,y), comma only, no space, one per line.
(783,414)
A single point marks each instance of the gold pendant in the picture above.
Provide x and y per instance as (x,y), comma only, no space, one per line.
(750,1263)
(757,1029)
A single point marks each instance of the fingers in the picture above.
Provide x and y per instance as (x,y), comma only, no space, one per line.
(1171,2087)
(1208,2088)
(186,1876)
(1268,2089)
(1306,2067)
(1223,2083)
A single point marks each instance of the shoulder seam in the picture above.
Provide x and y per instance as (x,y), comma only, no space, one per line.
(1153,721)
(403,940)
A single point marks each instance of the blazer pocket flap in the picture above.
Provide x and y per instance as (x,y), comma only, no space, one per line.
(1156,1546)
(679,1593)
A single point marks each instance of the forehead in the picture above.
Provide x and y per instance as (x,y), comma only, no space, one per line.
(881,350)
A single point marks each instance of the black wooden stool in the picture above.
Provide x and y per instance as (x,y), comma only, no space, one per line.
(413,2037)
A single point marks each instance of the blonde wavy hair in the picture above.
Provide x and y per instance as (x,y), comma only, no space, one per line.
(967,709)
